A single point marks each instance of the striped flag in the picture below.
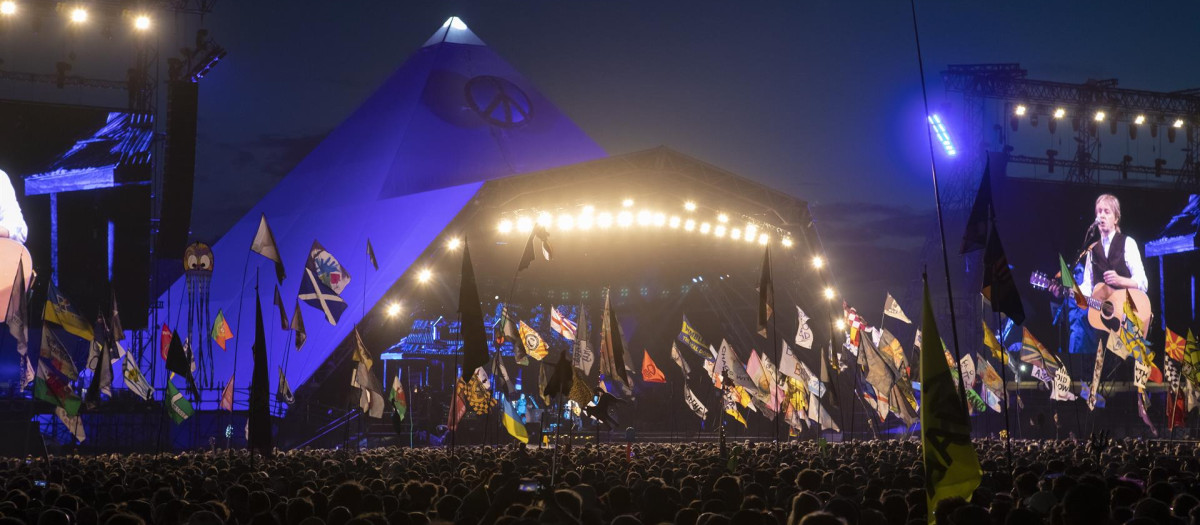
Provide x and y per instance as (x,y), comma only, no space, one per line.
(562,325)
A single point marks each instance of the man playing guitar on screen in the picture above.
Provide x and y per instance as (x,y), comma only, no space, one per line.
(12,222)
(1114,259)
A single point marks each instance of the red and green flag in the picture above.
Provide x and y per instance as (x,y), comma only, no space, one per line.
(221,331)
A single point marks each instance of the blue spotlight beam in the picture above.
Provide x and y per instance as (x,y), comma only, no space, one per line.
(939,129)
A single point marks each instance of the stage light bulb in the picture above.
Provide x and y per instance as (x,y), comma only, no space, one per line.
(719,231)
(818,262)
(1178,123)
(660,219)
(141,22)
(589,209)
(689,225)
(586,221)
(8,8)
(79,15)
(1020,110)
(840,324)
(624,219)
(689,206)
(628,203)
(1139,120)
(763,238)
(735,234)
(644,218)
(751,231)
(1060,113)
(673,222)
(505,226)
(787,242)
(544,219)
(1099,116)
(604,220)
(829,293)
(1024,367)
(424,275)
(393,310)
(454,243)
(723,218)
(705,228)
(524,224)
(566,222)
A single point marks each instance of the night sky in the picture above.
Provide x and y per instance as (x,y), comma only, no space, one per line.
(821,100)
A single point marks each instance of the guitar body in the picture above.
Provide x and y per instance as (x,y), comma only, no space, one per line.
(12,252)
(1111,313)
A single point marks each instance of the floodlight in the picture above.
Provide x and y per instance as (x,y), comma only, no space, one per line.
(787,242)
(566,222)
(644,217)
(454,243)
(505,226)
(624,219)
(1020,111)
(604,220)
(544,219)
(1139,120)
(763,238)
(1178,123)
(723,218)
(8,8)
(424,275)
(674,222)
(829,293)
(840,324)
(689,206)
(586,221)
(660,219)
(735,234)
(705,227)
(79,15)
(689,225)
(1060,113)
(524,224)
(1099,116)
(627,203)
(719,231)
(818,262)
(393,310)
(141,22)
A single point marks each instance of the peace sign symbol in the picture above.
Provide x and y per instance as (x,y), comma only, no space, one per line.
(498,101)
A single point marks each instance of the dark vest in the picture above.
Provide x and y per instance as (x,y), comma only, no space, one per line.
(1115,260)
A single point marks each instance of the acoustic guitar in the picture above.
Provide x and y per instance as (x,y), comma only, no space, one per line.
(10,253)
(1106,306)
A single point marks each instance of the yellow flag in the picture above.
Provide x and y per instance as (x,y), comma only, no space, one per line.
(989,339)
(951,463)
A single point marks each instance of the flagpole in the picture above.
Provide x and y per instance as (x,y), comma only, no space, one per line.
(454,400)
(1007,408)
(778,352)
(937,199)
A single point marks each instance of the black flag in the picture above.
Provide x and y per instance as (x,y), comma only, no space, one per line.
(998,285)
(612,345)
(976,233)
(543,238)
(475,349)
(766,294)
(283,317)
(560,382)
(180,362)
(259,424)
(102,375)
(371,255)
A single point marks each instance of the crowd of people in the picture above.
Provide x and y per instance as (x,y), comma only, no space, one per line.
(1096,481)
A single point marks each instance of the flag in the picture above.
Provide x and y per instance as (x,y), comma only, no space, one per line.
(180,362)
(975,234)
(1143,400)
(55,372)
(326,268)
(612,345)
(509,331)
(476,393)
(562,379)
(1061,390)
(951,463)
(319,295)
(729,362)
(17,319)
(694,403)
(260,397)
(361,355)
(650,371)
(397,397)
(542,236)
(1175,345)
(766,294)
(1095,387)
(581,393)
(264,244)
(582,355)
(690,337)
(804,334)
(1034,353)
(283,392)
(790,365)
(74,424)
(474,340)
(370,392)
(100,362)
(512,422)
(134,380)
(998,285)
(177,406)
(283,316)
(680,362)
(854,324)
(164,340)
(877,402)
(114,318)
(1068,282)
(991,380)
(731,403)
(989,340)
(892,309)
(227,394)
(60,312)
(500,371)
(819,415)
(298,326)
(562,325)
(1175,409)
(890,348)
(220,329)
(371,257)
(967,364)
(532,342)
(458,407)
(881,373)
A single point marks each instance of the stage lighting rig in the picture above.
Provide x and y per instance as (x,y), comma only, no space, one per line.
(198,61)
(939,129)
(8,8)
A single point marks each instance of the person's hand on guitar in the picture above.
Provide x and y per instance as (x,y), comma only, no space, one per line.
(1116,281)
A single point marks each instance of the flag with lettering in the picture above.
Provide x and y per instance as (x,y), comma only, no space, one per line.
(582,355)
(690,337)
(892,309)
(804,333)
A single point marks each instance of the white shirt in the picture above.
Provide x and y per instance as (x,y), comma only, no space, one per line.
(10,211)
(1133,259)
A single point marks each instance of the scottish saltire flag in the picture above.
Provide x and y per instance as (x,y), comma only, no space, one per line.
(562,325)
(319,295)
(326,268)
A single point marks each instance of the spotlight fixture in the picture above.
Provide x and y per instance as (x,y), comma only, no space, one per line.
(1020,111)
(818,262)
(705,228)
(787,242)
(674,222)
(719,231)
(586,221)
(628,203)
(624,219)
(689,206)
(1060,113)
(8,8)
(141,22)
(1139,120)
(79,15)
(736,234)
(424,275)
(589,209)
(505,226)
(1099,117)
(544,219)
(453,243)
(1178,123)
(524,224)
(763,238)
(829,293)
(689,225)
(566,222)
(604,220)
(840,324)
(644,218)
(943,136)
(393,310)
(723,218)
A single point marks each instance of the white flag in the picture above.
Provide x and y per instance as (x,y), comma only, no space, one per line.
(694,403)
(1062,385)
(264,241)
(892,309)
(134,380)
(804,334)
(74,423)
(1141,372)
(678,358)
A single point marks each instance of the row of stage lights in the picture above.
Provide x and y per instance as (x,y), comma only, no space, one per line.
(78,15)
(589,218)
(1059,113)
(1099,116)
